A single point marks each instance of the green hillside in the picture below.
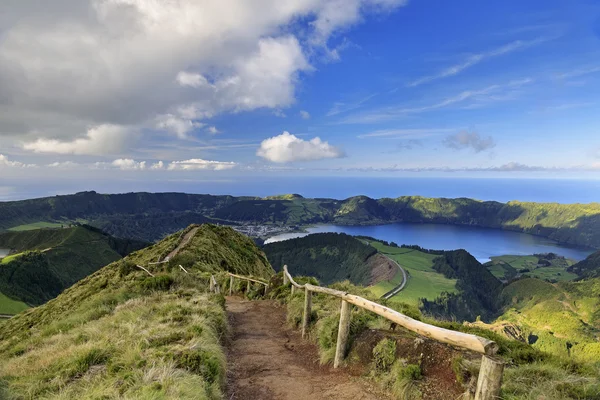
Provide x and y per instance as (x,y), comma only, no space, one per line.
(46,261)
(561,318)
(588,268)
(149,216)
(329,257)
(549,267)
(423,282)
(120,333)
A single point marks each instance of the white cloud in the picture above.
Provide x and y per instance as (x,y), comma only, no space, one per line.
(478,58)
(158,166)
(127,164)
(179,126)
(64,165)
(404,133)
(465,140)
(304,114)
(287,148)
(5,162)
(191,79)
(99,140)
(199,164)
(213,130)
(477,97)
(127,62)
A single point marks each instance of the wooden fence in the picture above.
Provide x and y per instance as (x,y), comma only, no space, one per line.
(490,373)
(215,288)
(492,367)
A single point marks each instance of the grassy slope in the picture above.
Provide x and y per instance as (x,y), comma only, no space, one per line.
(10,306)
(557,271)
(121,334)
(35,225)
(423,282)
(557,314)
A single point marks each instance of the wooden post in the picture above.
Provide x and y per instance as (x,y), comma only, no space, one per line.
(307,307)
(248,287)
(212,284)
(265,293)
(231,285)
(285,278)
(490,378)
(217,287)
(293,290)
(342,339)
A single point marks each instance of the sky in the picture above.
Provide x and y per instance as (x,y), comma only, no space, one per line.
(94,92)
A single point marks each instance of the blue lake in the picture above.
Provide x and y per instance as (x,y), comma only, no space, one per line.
(480,242)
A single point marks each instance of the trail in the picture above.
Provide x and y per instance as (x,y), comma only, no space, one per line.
(398,288)
(267,361)
(186,239)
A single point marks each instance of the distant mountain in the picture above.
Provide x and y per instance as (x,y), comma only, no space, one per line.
(149,216)
(331,257)
(588,268)
(44,262)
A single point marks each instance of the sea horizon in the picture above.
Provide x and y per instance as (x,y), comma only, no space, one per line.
(541,190)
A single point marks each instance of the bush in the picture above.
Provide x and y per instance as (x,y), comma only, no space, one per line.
(411,372)
(384,354)
(159,282)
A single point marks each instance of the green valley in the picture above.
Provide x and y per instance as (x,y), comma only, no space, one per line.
(46,261)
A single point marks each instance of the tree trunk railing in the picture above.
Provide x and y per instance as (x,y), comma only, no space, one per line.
(215,288)
(490,373)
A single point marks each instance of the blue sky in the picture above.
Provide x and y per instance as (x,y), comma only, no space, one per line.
(154,91)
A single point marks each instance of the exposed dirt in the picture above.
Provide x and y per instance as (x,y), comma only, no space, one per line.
(186,239)
(382,268)
(269,361)
(439,380)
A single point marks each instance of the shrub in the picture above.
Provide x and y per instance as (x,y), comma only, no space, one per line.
(159,282)
(384,354)
(411,372)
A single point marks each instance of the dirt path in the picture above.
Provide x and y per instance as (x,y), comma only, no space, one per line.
(186,239)
(268,361)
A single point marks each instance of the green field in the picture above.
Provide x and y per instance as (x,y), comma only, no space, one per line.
(505,267)
(35,225)
(10,306)
(423,281)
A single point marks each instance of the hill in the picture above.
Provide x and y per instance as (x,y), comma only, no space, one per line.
(331,257)
(588,268)
(558,318)
(120,333)
(46,261)
(574,224)
(550,267)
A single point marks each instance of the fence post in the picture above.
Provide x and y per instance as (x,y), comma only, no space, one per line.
(285,278)
(231,285)
(343,331)
(307,307)
(217,286)
(212,284)
(490,378)
(293,290)
(248,287)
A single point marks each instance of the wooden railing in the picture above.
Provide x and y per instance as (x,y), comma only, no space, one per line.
(490,373)
(215,288)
